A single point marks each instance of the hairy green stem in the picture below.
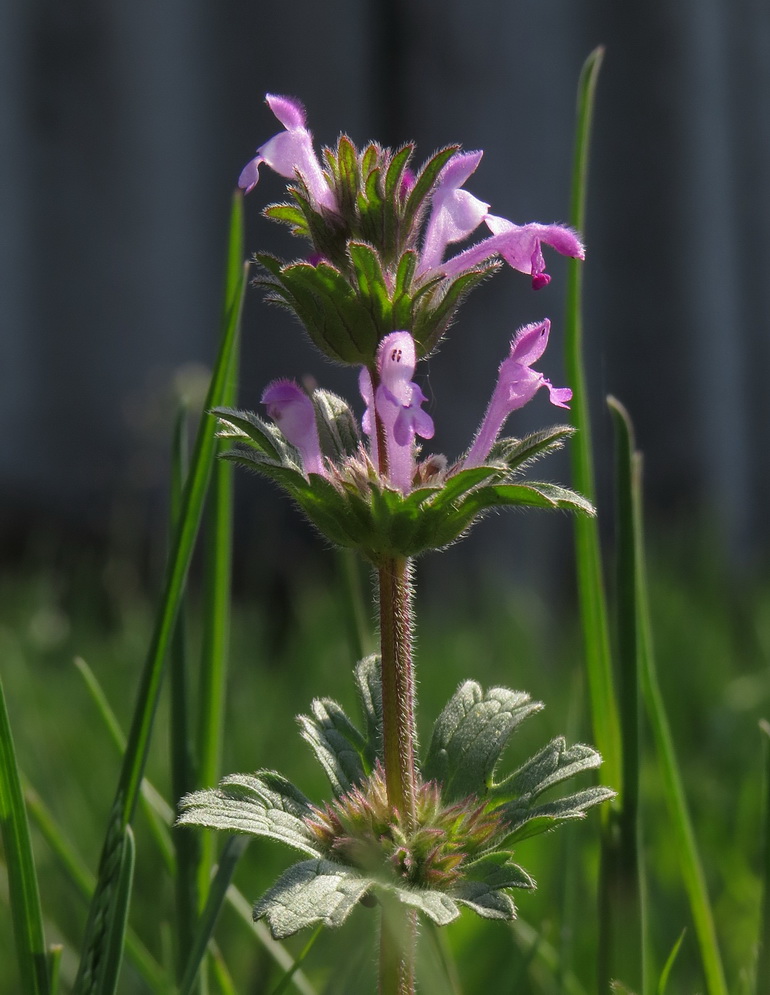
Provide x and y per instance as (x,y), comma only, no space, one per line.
(399,925)
(398,943)
(397,684)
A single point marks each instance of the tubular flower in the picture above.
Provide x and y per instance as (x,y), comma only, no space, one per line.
(290,153)
(397,402)
(517,383)
(455,214)
(293,412)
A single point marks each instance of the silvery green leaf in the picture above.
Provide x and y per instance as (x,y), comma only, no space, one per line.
(336,742)
(368,682)
(337,428)
(498,870)
(554,763)
(309,892)
(481,887)
(525,820)
(469,736)
(262,804)
(517,454)
(438,906)
(250,428)
(486,901)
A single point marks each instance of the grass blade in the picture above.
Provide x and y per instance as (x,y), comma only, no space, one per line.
(763,940)
(186,845)
(231,854)
(664,974)
(681,824)
(591,590)
(31,953)
(216,609)
(84,883)
(109,967)
(285,981)
(632,939)
(152,803)
(102,906)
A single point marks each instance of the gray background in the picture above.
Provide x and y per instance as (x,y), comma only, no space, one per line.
(123,128)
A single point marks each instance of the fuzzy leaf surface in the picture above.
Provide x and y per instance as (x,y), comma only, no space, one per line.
(262,804)
(525,820)
(469,736)
(554,763)
(337,744)
(309,892)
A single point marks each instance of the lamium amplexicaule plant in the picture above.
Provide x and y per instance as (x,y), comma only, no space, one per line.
(377,286)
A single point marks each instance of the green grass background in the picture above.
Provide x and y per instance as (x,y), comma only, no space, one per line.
(713,645)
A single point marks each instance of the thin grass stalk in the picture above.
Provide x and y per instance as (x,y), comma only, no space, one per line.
(605,719)
(26,913)
(186,845)
(762,983)
(681,824)
(285,981)
(591,588)
(627,954)
(103,907)
(216,631)
(150,800)
(231,854)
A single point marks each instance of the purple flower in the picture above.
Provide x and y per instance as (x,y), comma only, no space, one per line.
(520,247)
(289,153)
(293,412)
(517,383)
(456,214)
(397,402)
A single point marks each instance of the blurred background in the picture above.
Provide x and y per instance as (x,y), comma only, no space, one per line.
(124,128)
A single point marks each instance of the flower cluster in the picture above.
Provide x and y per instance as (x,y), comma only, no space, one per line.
(378,237)
(378,291)
(362,829)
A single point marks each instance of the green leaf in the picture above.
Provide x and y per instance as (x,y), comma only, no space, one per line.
(520,453)
(459,483)
(369,685)
(309,892)
(249,427)
(553,764)
(535,494)
(290,215)
(26,914)
(469,736)
(261,804)
(438,906)
(395,172)
(485,901)
(525,820)
(336,742)
(424,183)
(498,870)
(337,427)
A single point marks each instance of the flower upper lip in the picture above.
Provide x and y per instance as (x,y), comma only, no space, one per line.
(290,153)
